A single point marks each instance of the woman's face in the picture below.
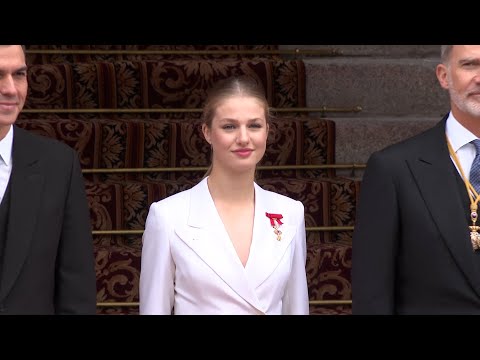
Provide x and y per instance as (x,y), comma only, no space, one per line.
(238,134)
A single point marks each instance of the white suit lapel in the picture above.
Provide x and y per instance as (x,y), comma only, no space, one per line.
(207,237)
(266,251)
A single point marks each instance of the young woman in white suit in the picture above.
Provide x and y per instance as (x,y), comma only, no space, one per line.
(226,246)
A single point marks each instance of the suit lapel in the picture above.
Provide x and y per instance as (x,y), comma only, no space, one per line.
(266,251)
(434,172)
(207,237)
(26,183)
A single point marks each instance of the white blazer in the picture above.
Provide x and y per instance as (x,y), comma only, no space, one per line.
(190,265)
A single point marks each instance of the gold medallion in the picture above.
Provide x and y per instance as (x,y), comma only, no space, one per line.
(277,232)
(475,237)
(474,200)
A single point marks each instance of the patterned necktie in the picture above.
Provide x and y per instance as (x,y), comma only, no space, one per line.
(475,169)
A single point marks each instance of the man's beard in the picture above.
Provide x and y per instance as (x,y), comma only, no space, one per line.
(462,101)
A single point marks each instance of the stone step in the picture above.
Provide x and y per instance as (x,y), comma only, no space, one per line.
(397,87)
(357,139)
(392,51)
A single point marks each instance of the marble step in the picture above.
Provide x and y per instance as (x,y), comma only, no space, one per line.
(394,51)
(357,139)
(393,87)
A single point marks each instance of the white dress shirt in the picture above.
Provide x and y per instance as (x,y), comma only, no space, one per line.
(5,161)
(460,139)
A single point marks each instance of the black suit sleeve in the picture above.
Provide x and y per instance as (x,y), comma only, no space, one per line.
(375,240)
(75,290)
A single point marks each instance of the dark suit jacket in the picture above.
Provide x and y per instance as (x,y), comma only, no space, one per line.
(411,245)
(48,261)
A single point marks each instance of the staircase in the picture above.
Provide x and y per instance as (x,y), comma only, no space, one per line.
(132,113)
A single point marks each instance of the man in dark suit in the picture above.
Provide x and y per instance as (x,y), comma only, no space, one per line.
(46,250)
(414,245)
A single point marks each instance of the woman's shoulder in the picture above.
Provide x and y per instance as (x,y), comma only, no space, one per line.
(280,198)
(172,201)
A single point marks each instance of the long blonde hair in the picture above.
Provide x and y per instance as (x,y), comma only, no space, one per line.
(231,87)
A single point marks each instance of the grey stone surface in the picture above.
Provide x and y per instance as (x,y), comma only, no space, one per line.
(357,139)
(394,51)
(395,85)
(392,87)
